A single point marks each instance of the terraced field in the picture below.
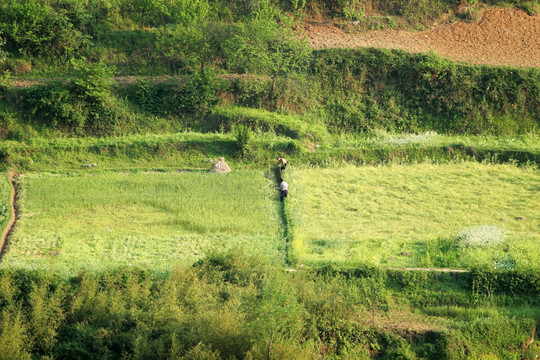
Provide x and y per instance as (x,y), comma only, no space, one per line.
(425,215)
(153,219)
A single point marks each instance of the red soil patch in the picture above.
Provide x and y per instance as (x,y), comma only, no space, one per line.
(498,37)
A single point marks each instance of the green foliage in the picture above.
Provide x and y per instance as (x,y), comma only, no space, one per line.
(191,100)
(243,136)
(198,96)
(39,28)
(263,46)
(53,105)
(2,52)
(163,12)
(368,89)
(229,305)
(84,106)
(189,48)
(91,82)
(91,88)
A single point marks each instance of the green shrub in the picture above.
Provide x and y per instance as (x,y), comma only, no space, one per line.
(36,28)
(54,106)
(242,134)
(397,91)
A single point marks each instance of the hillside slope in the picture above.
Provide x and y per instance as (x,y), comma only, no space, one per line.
(498,37)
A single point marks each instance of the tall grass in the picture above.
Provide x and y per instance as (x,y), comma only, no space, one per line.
(412,215)
(103,220)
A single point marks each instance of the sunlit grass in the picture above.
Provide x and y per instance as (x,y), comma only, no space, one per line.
(527,142)
(152,219)
(411,215)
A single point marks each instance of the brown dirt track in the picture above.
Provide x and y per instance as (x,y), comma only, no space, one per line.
(9,226)
(499,37)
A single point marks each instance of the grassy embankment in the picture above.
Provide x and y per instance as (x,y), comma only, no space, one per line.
(5,207)
(195,150)
(413,215)
(102,220)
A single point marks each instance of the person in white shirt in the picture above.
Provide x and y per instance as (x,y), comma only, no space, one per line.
(284,187)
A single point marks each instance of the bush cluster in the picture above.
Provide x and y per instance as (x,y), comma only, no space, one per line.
(367,89)
(229,306)
(85,105)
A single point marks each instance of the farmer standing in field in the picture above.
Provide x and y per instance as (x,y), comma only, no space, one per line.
(282,163)
(284,188)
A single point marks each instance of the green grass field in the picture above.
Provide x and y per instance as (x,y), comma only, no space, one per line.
(412,215)
(152,219)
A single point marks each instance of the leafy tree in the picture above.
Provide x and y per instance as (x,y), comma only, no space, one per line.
(267,45)
(91,88)
(278,318)
(91,81)
(36,28)
(198,96)
(167,12)
(2,52)
(187,48)
(243,136)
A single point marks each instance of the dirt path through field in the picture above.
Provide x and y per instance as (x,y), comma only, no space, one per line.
(497,37)
(9,226)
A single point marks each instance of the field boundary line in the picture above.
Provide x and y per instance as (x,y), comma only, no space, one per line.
(282,215)
(10,224)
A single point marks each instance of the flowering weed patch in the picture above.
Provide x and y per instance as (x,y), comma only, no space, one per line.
(481,236)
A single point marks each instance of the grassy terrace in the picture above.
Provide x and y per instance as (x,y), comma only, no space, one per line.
(413,215)
(104,220)
(194,150)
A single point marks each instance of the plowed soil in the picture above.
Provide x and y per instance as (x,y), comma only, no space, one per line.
(497,37)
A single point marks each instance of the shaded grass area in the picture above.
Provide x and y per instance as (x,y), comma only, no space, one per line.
(411,215)
(102,220)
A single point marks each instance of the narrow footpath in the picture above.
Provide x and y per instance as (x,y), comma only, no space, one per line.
(9,227)
(283,220)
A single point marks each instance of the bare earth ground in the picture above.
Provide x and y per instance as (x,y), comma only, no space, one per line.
(9,226)
(498,37)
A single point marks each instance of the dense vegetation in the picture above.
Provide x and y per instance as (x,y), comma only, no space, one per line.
(230,306)
(244,55)
(119,95)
